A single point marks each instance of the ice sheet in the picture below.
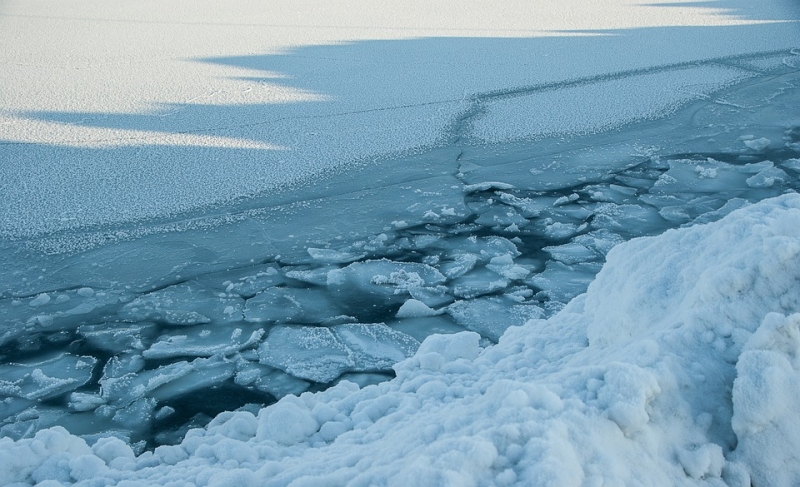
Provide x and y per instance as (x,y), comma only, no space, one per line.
(149,121)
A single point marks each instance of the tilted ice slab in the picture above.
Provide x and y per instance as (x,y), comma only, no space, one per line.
(629,384)
(321,354)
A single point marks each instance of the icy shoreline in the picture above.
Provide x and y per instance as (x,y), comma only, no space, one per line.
(107,346)
(630,383)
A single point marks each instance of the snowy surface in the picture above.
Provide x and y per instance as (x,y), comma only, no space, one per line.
(404,244)
(157,108)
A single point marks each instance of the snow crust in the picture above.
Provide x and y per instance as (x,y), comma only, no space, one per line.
(122,112)
(629,384)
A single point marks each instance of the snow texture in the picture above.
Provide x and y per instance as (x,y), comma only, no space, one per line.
(156,109)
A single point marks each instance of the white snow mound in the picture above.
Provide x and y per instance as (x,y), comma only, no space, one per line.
(629,385)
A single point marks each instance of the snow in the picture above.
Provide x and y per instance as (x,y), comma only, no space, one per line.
(132,94)
(400,243)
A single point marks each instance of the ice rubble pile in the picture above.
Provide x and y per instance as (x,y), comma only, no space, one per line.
(147,367)
(679,366)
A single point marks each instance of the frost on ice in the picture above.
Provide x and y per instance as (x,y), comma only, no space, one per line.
(628,384)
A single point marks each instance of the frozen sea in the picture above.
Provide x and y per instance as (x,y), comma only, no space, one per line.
(345,244)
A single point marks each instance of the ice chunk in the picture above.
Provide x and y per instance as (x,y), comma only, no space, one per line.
(246,282)
(767,177)
(757,145)
(66,311)
(570,212)
(420,328)
(478,282)
(268,379)
(39,300)
(504,266)
(572,253)
(165,382)
(119,337)
(666,200)
(371,288)
(635,181)
(483,247)
(485,186)
(121,390)
(136,415)
(425,241)
(433,296)
(792,164)
(393,275)
(203,374)
(184,304)
(30,421)
(80,401)
(415,309)
(674,214)
(322,354)
(291,305)
(317,276)
(528,207)
(601,241)
(729,206)
(563,200)
(755,167)
(44,379)
(631,220)
(499,216)
(375,347)
(11,405)
(691,176)
(611,193)
(464,345)
(330,256)
(460,264)
(364,379)
(308,352)
(491,316)
(205,341)
(288,422)
(702,205)
(123,364)
(557,230)
(562,282)
(706,461)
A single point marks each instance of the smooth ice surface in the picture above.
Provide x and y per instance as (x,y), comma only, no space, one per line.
(113,112)
(629,384)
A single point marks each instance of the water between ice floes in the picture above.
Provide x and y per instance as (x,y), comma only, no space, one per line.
(146,330)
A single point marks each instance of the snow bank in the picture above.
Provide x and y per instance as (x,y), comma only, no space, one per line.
(629,384)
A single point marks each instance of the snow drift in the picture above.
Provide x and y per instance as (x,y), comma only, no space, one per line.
(679,366)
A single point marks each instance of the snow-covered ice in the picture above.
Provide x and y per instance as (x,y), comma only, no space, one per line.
(399,244)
